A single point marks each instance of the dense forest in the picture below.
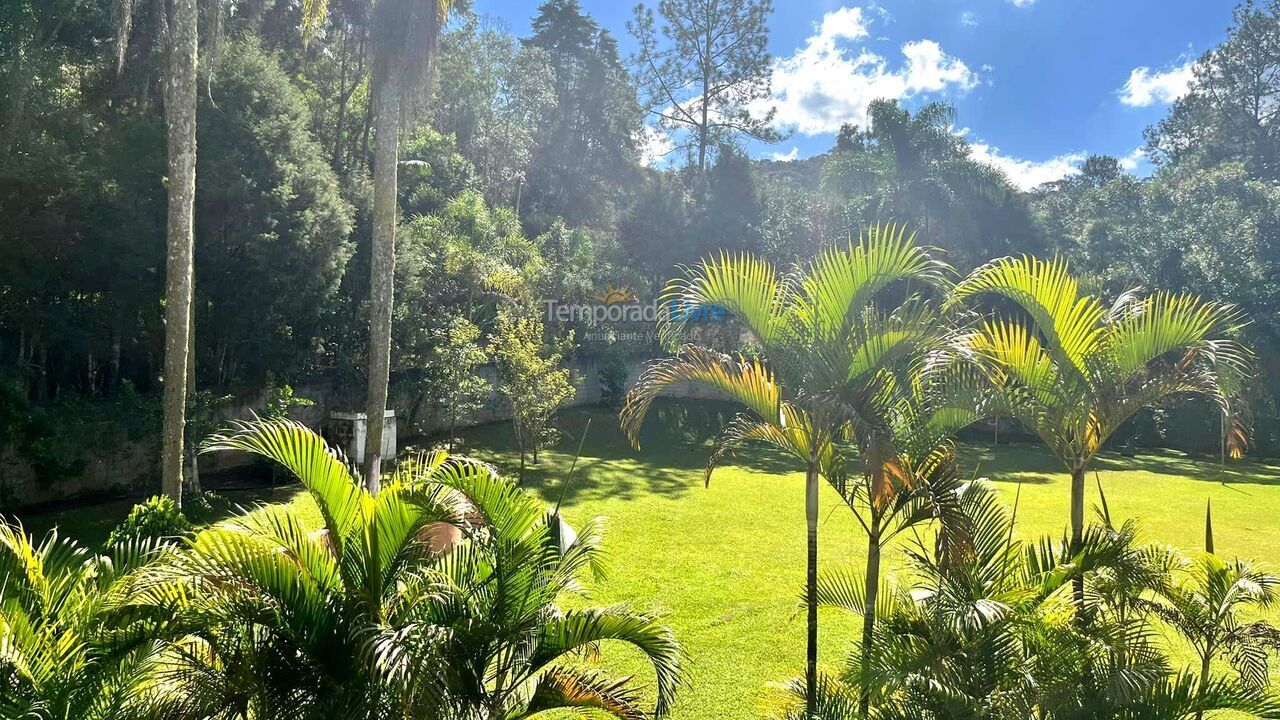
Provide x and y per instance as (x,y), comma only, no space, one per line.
(523,176)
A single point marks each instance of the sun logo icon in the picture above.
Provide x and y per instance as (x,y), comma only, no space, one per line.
(613,295)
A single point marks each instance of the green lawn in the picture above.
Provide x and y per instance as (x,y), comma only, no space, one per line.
(724,563)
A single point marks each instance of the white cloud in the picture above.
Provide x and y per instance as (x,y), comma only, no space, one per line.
(655,146)
(1145,88)
(968,19)
(826,82)
(1028,174)
(1134,160)
(791,154)
(1022,3)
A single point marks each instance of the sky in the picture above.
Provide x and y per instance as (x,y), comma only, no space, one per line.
(1038,84)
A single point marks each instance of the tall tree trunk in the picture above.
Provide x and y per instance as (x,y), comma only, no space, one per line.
(343,96)
(193,480)
(871,593)
(180,119)
(1077,533)
(382,269)
(811,584)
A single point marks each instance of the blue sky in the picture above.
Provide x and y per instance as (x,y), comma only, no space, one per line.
(1037,83)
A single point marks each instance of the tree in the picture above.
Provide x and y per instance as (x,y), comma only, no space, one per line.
(586,151)
(455,385)
(494,103)
(714,69)
(405,34)
(72,642)
(1205,608)
(913,168)
(532,377)
(179,45)
(272,229)
(401,605)
(1073,371)
(827,344)
(1229,113)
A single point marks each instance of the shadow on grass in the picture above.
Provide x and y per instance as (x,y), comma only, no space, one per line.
(1033,463)
(675,444)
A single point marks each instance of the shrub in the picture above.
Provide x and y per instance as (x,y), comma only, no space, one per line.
(158,517)
(614,372)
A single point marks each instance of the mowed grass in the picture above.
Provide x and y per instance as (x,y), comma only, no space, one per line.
(724,563)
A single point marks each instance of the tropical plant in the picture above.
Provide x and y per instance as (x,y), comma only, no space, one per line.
(72,645)
(1205,608)
(915,168)
(1071,370)
(823,386)
(434,598)
(986,634)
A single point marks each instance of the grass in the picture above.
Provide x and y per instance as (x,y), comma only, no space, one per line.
(724,563)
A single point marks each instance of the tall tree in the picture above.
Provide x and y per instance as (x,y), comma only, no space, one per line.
(706,79)
(178,37)
(913,168)
(405,35)
(823,382)
(587,148)
(1231,109)
(1074,370)
(180,119)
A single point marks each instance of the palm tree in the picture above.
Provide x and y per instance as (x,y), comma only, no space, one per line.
(1072,371)
(980,635)
(405,36)
(510,650)
(917,168)
(435,595)
(826,339)
(71,642)
(1205,609)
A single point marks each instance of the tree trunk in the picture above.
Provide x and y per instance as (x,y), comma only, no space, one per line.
(193,481)
(180,120)
(811,584)
(343,96)
(1204,678)
(871,593)
(382,270)
(1077,533)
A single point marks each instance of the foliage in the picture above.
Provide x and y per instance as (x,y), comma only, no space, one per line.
(831,384)
(703,86)
(451,372)
(1227,115)
(398,600)
(157,518)
(493,103)
(587,143)
(532,378)
(615,371)
(988,634)
(913,168)
(73,640)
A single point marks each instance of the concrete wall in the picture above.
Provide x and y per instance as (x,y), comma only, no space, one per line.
(131,469)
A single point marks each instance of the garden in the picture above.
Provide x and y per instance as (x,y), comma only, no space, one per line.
(380,359)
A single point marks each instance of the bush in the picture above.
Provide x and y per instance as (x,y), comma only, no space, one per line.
(614,372)
(158,517)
